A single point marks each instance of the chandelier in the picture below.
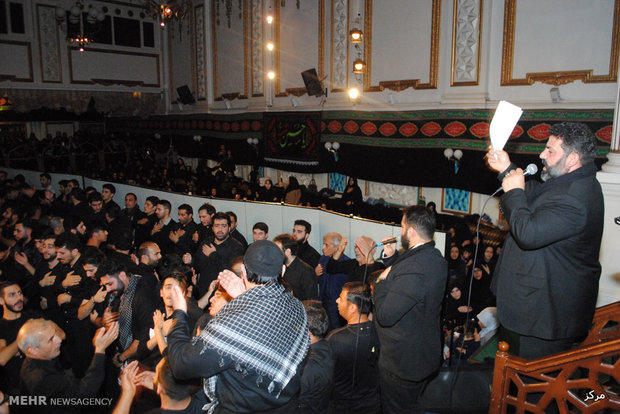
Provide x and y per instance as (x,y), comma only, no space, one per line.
(80,40)
(80,22)
(167,11)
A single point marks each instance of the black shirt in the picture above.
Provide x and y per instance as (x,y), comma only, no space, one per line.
(308,254)
(302,279)
(352,268)
(209,267)
(317,378)
(194,407)
(47,378)
(237,391)
(8,331)
(362,395)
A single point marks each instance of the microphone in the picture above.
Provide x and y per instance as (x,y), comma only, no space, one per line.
(531,169)
(388,241)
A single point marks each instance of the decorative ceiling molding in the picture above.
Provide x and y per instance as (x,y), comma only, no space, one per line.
(559,77)
(402,84)
(466,42)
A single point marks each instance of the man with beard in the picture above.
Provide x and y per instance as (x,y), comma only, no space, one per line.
(160,233)
(546,279)
(215,253)
(408,297)
(135,313)
(91,260)
(42,291)
(13,317)
(25,253)
(72,287)
(307,253)
(149,255)
(182,236)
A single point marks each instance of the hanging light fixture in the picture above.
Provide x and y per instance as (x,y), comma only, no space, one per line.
(356,36)
(80,40)
(359,66)
(168,11)
(80,31)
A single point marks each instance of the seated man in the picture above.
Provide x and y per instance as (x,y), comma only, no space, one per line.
(251,352)
(41,373)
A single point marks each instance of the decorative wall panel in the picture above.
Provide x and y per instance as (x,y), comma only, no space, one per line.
(433,57)
(257,47)
(230,54)
(201,53)
(19,67)
(466,39)
(107,67)
(49,47)
(302,48)
(608,36)
(339,45)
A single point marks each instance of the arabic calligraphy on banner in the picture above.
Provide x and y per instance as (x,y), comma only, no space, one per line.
(292,137)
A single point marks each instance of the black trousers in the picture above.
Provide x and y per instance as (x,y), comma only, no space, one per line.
(531,347)
(399,396)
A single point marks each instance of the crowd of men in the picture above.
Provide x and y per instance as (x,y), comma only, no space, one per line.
(130,309)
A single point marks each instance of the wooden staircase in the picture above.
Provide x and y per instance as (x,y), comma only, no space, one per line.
(583,380)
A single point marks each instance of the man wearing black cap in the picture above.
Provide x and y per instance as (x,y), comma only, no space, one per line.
(250,353)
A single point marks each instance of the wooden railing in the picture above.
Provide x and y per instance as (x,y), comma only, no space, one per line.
(582,380)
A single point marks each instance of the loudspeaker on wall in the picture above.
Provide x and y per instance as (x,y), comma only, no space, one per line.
(185,95)
(312,82)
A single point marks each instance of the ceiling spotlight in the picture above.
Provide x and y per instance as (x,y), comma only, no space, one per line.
(271,74)
(270,46)
(269,17)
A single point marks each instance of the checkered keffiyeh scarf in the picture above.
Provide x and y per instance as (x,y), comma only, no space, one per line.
(264,329)
(125,314)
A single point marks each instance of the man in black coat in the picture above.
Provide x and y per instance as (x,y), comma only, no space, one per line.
(546,280)
(408,297)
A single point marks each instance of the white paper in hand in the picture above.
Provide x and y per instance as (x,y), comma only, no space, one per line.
(503,123)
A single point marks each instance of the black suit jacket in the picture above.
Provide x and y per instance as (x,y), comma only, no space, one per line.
(408,311)
(546,280)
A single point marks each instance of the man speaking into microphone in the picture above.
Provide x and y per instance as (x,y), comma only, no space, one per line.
(546,280)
